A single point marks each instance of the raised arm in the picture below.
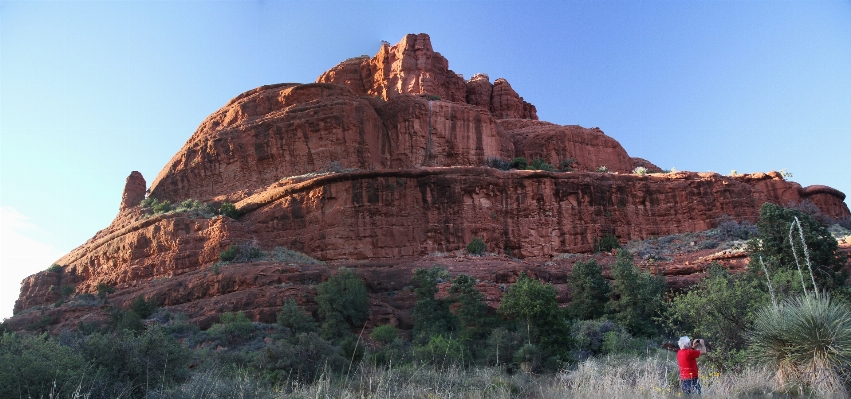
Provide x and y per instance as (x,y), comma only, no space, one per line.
(700,345)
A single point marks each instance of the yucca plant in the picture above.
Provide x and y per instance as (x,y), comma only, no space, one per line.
(807,340)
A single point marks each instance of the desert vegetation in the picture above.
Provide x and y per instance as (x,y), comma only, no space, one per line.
(780,329)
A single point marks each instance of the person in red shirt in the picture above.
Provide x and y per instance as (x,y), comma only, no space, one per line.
(687,359)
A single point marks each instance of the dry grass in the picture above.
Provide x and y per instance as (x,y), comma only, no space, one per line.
(610,377)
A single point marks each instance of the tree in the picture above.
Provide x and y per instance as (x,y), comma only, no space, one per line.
(291,316)
(431,315)
(720,308)
(589,291)
(343,302)
(776,251)
(534,302)
(636,297)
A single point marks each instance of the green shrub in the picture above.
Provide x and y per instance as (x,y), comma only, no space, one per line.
(520,163)
(473,314)
(129,321)
(603,169)
(293,317)
(566,165)
(476,246)
(104,289)
(385,333)
(128,363)
(606,244)
(720,309)
(441,351)
(67,290)
(232,328)
(162,207)
(636,297)
(807,340)
(431,315)
(541,164)
(142,307)
(303,359)
(38,366)
(54,268)
(432,97)
(229,254)
(640,170)
(774,247)
(589,291)
(228,209)
(342,298)
(498,163)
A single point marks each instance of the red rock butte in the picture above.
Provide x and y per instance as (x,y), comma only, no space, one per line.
(376,165)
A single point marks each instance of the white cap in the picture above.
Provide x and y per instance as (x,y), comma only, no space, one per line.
(684,342)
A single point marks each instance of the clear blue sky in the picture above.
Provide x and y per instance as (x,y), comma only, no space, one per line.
(90,91)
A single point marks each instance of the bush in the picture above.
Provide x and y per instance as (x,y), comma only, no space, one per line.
(640,170)
(534,304)
(442,351)
(607,243)
(232,328)
(735,230)
(566,165)
(498,163)
(520,163)
(720,309)
(228,209)
(431,315)
(776,251)
(229,254)
(807,340)
(603,169)
(636,297)
(343,303)
(38,366)
(104,290)
(589,291)
(302,359)
(385,333)
(293,317)
(127,363)
(541,164)
(142,307)
(54,268)
(476,246)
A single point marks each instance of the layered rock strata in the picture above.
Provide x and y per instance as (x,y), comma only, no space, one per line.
(379,166)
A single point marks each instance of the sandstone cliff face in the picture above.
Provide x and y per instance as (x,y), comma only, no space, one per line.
(367,169)
(590,148)
(290,130)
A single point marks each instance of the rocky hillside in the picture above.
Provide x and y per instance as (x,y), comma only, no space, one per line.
(382,165)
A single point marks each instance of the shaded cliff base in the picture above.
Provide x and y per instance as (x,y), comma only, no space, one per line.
(258,287)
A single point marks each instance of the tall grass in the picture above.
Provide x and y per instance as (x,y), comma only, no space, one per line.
(608,377)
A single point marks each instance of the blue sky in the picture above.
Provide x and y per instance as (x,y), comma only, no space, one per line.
(90,91)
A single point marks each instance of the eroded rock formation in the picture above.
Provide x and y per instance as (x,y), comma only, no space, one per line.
(380,166)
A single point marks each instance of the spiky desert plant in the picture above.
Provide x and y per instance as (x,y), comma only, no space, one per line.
(807,341)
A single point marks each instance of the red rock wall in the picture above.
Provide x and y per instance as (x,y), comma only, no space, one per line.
(292,130)
(591,148)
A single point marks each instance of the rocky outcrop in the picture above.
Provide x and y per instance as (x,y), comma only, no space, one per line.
(379,167)
(772,187)
(588,148)
(290,130)
(134,191)
(413,67)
